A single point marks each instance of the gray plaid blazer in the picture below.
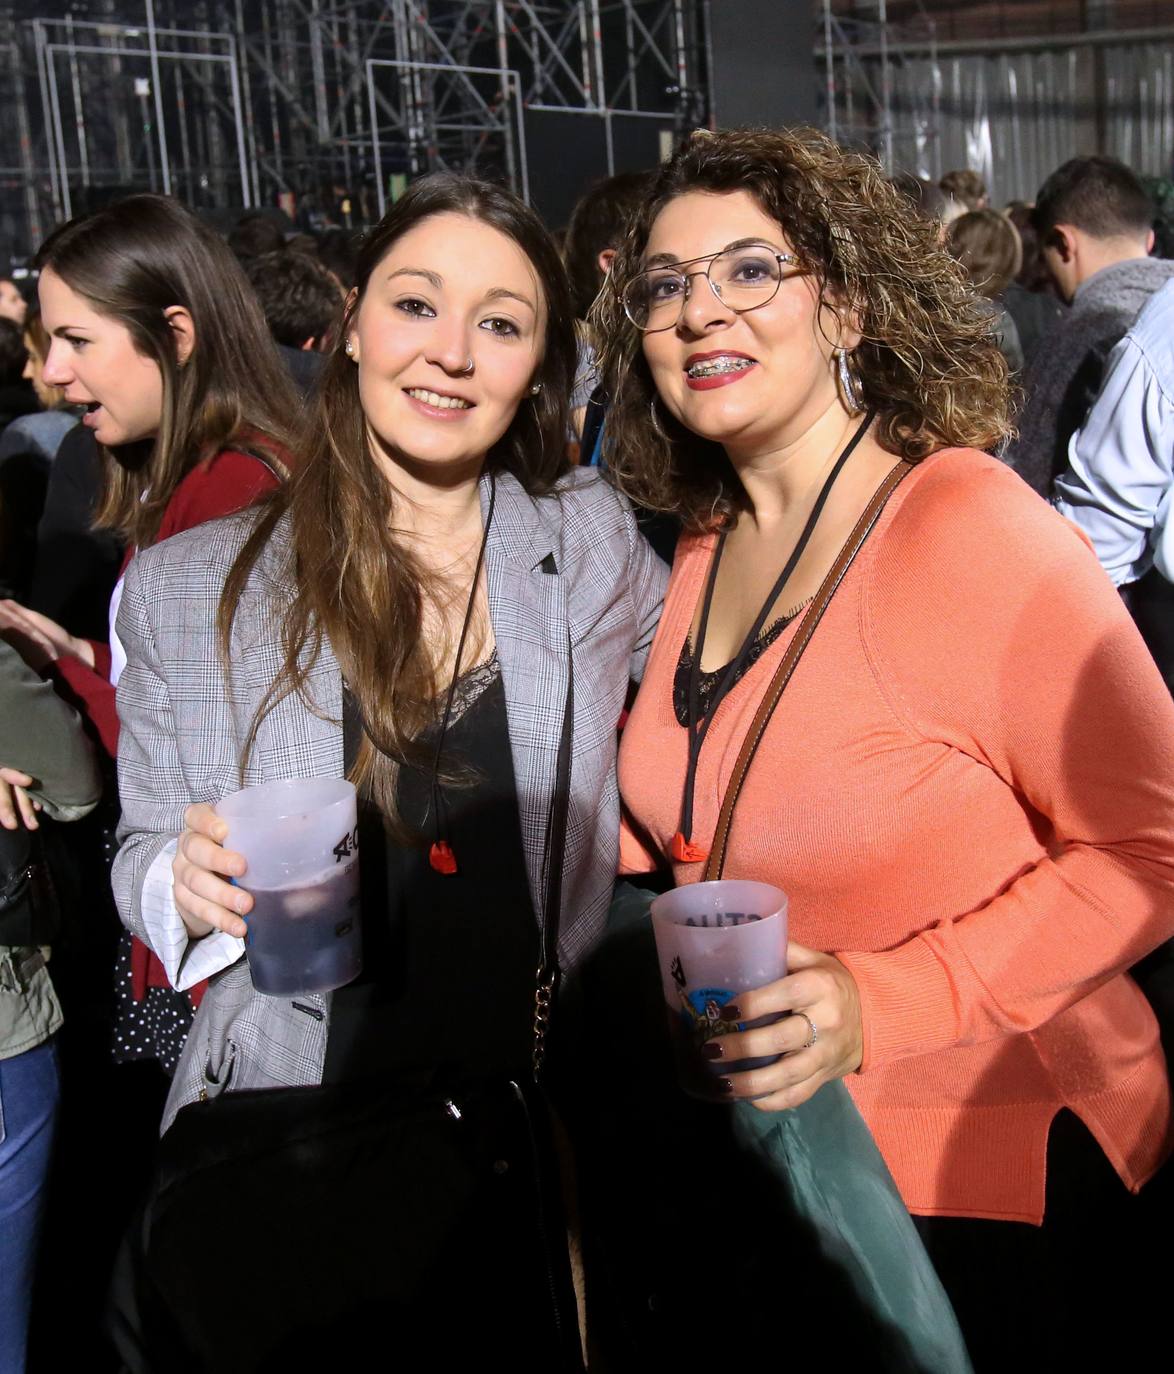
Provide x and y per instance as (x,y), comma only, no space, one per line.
(184,725)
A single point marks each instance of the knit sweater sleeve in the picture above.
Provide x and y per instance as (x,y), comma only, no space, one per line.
(991,628)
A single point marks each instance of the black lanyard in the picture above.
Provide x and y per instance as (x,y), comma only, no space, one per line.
(683,849)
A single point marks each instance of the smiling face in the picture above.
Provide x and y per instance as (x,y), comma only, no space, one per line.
(92,358)
(752,381)
(447,337)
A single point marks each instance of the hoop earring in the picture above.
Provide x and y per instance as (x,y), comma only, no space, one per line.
(849,382)
(658,428)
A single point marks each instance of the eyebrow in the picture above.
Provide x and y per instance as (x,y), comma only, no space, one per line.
(430,277)
(495,293)
(499,293)
(63,329)
(669,259)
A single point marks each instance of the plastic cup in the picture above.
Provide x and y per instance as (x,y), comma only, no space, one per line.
(713,941)
(300,840)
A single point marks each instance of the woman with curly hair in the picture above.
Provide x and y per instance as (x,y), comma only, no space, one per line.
(966,786)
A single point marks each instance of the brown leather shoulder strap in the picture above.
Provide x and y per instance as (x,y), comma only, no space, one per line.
(811,618)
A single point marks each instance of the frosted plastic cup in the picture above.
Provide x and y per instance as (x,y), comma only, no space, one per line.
(713,941)
(300,840)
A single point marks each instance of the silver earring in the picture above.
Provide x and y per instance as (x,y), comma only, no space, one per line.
(656,425)
(536,388)
(350,348)
(850,392)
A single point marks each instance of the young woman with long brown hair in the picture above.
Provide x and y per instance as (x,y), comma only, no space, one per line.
(434,608)
(153,329)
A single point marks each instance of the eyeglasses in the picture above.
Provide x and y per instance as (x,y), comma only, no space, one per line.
(741,278)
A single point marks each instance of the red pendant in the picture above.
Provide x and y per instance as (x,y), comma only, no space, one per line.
(686,853)
(441,857)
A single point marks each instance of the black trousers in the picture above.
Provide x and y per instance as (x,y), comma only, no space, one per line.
(1090,1287)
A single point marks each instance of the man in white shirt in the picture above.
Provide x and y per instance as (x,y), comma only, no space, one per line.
(1120,481)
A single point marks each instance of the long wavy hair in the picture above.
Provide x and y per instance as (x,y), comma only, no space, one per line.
(926,361)
(132,261)
(355,584)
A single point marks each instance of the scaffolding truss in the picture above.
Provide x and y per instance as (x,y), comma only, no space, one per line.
(326,105)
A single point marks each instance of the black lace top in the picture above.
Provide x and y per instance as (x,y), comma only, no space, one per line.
(447,989)
(709,682)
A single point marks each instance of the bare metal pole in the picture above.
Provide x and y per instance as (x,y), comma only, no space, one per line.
(241,152)
(246,96)
(79,117)
(886,90)
(829,68)
(599,92)
(503,56)
(381,195)
(59,135)
(47,116)
(157,89)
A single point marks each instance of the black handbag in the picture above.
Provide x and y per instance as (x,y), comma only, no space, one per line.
(320,1224)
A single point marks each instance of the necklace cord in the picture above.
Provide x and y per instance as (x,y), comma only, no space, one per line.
(437,800)
(698,723)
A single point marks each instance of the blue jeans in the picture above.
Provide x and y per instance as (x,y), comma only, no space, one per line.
(29,1093)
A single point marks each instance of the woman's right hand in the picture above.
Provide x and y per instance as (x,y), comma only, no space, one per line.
(203,897)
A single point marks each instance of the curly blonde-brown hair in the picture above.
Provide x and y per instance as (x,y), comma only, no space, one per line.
(926,363)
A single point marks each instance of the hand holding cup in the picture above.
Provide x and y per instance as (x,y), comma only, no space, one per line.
(204,897)
(819,1038)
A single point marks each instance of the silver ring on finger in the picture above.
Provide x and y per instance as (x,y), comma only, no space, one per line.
(812,1028)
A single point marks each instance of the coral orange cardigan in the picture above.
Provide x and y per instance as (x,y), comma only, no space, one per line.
(967,790)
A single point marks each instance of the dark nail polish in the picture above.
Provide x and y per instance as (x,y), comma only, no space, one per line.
(731,1012)
(712,1049)
(726,1084)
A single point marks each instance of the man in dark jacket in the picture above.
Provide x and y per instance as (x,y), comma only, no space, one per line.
(1094,222)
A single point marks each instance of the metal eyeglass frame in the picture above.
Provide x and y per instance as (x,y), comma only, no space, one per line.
(686,277)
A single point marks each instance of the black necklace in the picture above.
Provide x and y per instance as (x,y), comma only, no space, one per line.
(440,855)
(683,848)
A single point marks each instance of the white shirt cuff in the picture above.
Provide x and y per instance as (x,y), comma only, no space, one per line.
(186,961)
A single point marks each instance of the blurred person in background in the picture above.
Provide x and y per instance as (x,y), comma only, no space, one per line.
(13,305)
(987,245)
(338,253)
(302,304)
(593,234)
(46,765)
(28,446)
(42,431)
(928,199)
(1094,222)
(17,396)
(253,234)
(967,188)
(1031,298)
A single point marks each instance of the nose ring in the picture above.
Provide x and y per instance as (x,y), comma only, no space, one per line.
(467,370)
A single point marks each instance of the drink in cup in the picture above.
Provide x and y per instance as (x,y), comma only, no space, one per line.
(301,843)
(714,941)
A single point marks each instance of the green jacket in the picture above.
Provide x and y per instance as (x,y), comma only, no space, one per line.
(41,736)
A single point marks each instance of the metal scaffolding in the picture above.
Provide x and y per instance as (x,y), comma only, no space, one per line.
(323,106)
(863,54)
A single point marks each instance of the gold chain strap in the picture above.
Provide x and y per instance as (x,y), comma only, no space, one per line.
(543,1000)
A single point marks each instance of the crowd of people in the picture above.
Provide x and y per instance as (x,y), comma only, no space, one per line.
(519,535)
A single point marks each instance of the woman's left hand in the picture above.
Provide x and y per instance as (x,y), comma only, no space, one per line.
(39,640)
(16,803)
(822,989)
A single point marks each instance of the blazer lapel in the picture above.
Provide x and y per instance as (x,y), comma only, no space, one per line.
(528,608)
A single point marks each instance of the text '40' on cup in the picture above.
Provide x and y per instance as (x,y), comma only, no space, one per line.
(300,840)
(714,941)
